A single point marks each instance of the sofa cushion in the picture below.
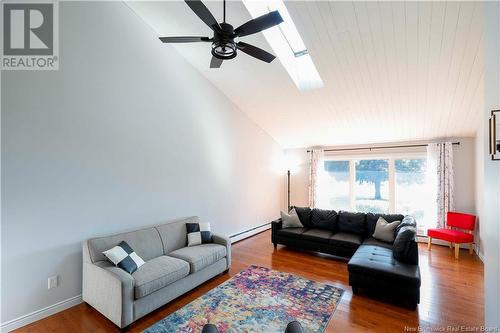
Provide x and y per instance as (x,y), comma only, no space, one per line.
(174,233)
(407,221)
(351,222)
(371,221)
(304,214)
(317,235)
(292,232)
(158,273)
(145,242)
(378,262)
(376,242)
(405,247)
(200,256)
(345,239)
(324,219)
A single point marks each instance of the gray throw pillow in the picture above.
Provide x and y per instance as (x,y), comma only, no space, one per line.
(384,231)
(291,220)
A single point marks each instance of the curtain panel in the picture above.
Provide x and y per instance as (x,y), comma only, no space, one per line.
(440,158)
(317,161)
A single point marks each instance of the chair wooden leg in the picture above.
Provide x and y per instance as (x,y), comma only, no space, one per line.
(457,249)
(429,241)
(451,245)
(471,248)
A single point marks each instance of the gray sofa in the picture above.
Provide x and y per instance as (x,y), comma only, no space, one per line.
(171,269)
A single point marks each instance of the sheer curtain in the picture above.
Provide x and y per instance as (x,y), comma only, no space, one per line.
(315,175)
(440,172)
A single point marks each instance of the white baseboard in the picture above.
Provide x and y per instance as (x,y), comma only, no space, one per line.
(249,233)
(479,253)
(40,314)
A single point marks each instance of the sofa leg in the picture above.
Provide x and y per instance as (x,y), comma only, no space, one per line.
(457,249)
(355,290)
(471,248)
(275,245)
(429,242)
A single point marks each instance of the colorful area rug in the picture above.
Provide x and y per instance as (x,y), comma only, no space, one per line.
(257,299)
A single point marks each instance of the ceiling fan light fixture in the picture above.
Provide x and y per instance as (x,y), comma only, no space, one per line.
(224,50)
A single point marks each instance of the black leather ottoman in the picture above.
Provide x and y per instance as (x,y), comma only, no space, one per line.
(374,267)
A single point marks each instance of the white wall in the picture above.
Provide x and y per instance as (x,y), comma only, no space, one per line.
(488,171)
(125,134)
(464,167)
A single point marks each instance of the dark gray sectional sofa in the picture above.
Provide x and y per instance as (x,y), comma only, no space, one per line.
(385,267)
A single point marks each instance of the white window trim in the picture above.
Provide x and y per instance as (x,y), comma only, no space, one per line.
(392,184)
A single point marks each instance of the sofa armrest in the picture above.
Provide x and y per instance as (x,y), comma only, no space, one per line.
(110,290)
(275,226)
(224,241)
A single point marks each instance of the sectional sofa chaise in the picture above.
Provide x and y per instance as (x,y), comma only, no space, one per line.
(373,264)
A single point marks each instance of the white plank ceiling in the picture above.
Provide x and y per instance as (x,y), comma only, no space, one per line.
(393,71)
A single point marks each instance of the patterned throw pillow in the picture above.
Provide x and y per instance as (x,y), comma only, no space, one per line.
(124,257)
(198,233)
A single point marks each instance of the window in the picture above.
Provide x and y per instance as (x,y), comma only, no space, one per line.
(410,187)
(335,186)
(372,186)
(390,184)
(413,193)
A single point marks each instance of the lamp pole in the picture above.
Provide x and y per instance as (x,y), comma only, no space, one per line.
(288,178)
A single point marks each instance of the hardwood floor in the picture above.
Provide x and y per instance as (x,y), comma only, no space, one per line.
(451,293)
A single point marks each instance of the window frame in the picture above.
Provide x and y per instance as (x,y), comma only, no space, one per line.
(391,158)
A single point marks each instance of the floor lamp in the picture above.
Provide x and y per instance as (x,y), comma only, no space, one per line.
(288,187)
(291,166)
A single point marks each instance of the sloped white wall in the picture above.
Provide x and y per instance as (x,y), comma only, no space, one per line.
(125,134)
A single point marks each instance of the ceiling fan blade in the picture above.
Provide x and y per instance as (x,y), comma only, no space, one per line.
(255,52)
(215,62)
(184,39)
(203,13)
(258,24)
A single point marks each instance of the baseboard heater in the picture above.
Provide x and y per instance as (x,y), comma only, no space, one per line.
(249,230)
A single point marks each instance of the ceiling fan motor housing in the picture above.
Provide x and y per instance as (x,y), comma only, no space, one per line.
(223,46)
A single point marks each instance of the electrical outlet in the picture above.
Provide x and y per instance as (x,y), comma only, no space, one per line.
(52,282)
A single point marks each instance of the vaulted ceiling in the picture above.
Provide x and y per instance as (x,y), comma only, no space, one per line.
(393,71)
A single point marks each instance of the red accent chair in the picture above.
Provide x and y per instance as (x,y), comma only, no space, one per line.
(454,221)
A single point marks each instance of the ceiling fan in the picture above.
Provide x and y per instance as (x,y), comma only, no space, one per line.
(223,45)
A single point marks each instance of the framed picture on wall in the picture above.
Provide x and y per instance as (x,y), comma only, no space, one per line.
(495,135)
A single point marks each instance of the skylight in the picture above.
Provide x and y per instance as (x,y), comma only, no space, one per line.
(287,44)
